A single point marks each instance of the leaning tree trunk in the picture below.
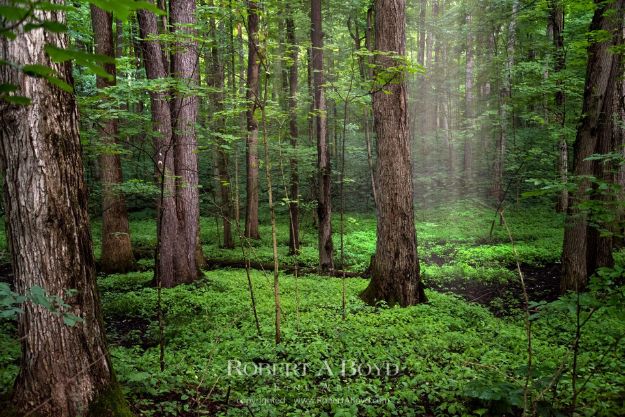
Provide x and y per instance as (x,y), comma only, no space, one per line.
(185,67)
(395,265)
(253,98)
(594,135)
(293,133)
(168,239)
(324,198)
(65,370)
(116,247)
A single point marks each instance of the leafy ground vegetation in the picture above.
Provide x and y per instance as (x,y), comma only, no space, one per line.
(464,353)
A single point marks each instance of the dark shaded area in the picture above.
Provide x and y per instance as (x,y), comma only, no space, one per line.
(506,298)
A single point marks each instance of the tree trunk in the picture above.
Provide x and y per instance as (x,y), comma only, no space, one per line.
(556,22)
(294,133)
(581,255)
(395,265)
(216,80)
(116,247)
(185,67)
(253,98)
(65,370)
(324,200)
(168,244)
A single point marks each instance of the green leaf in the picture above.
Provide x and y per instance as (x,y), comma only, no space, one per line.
(13,13)
(19,100)
(36,70)
(51,26)
(7,88)
(60,84)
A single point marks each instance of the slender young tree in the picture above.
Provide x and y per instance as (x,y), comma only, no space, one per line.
(292,54)
(184,108)
(117,254)
(253,98)
(324,197)
(65,371)
(395,266)
(581,254)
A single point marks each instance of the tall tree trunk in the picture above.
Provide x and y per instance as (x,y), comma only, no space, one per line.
(293,133)
(185,67)
(324,200)
(117,254)
(395,265)
(65,371)
(216,80)
(580,257)
(556,22)
(169,247)
(253,98)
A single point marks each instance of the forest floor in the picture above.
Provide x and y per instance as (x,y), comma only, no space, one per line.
(462,353)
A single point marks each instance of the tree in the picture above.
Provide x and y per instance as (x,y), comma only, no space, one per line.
(171,258)
(117,254)
(584,251)
(469,110)
(324,197)
(185,68)
(556,23)
(292,54)
(253,98)
(65,370)
(215,76)
(395,265)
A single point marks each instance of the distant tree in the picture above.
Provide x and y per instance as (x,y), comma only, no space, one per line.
(556,25)
(395,265)
(253,74)
(324,176)
(584,248)
(65,371)
(117,254)
(216,78)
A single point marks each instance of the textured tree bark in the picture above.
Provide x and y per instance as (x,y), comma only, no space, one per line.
(395,266)
(252,95)
(556,22)
(168,238)
(324,198)
(185,67)
(65,370)
(582,255)
(116,247)
(216,80)
(292,54)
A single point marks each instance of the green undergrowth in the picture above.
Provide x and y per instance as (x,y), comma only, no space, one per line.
(454,358)
(455,242)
